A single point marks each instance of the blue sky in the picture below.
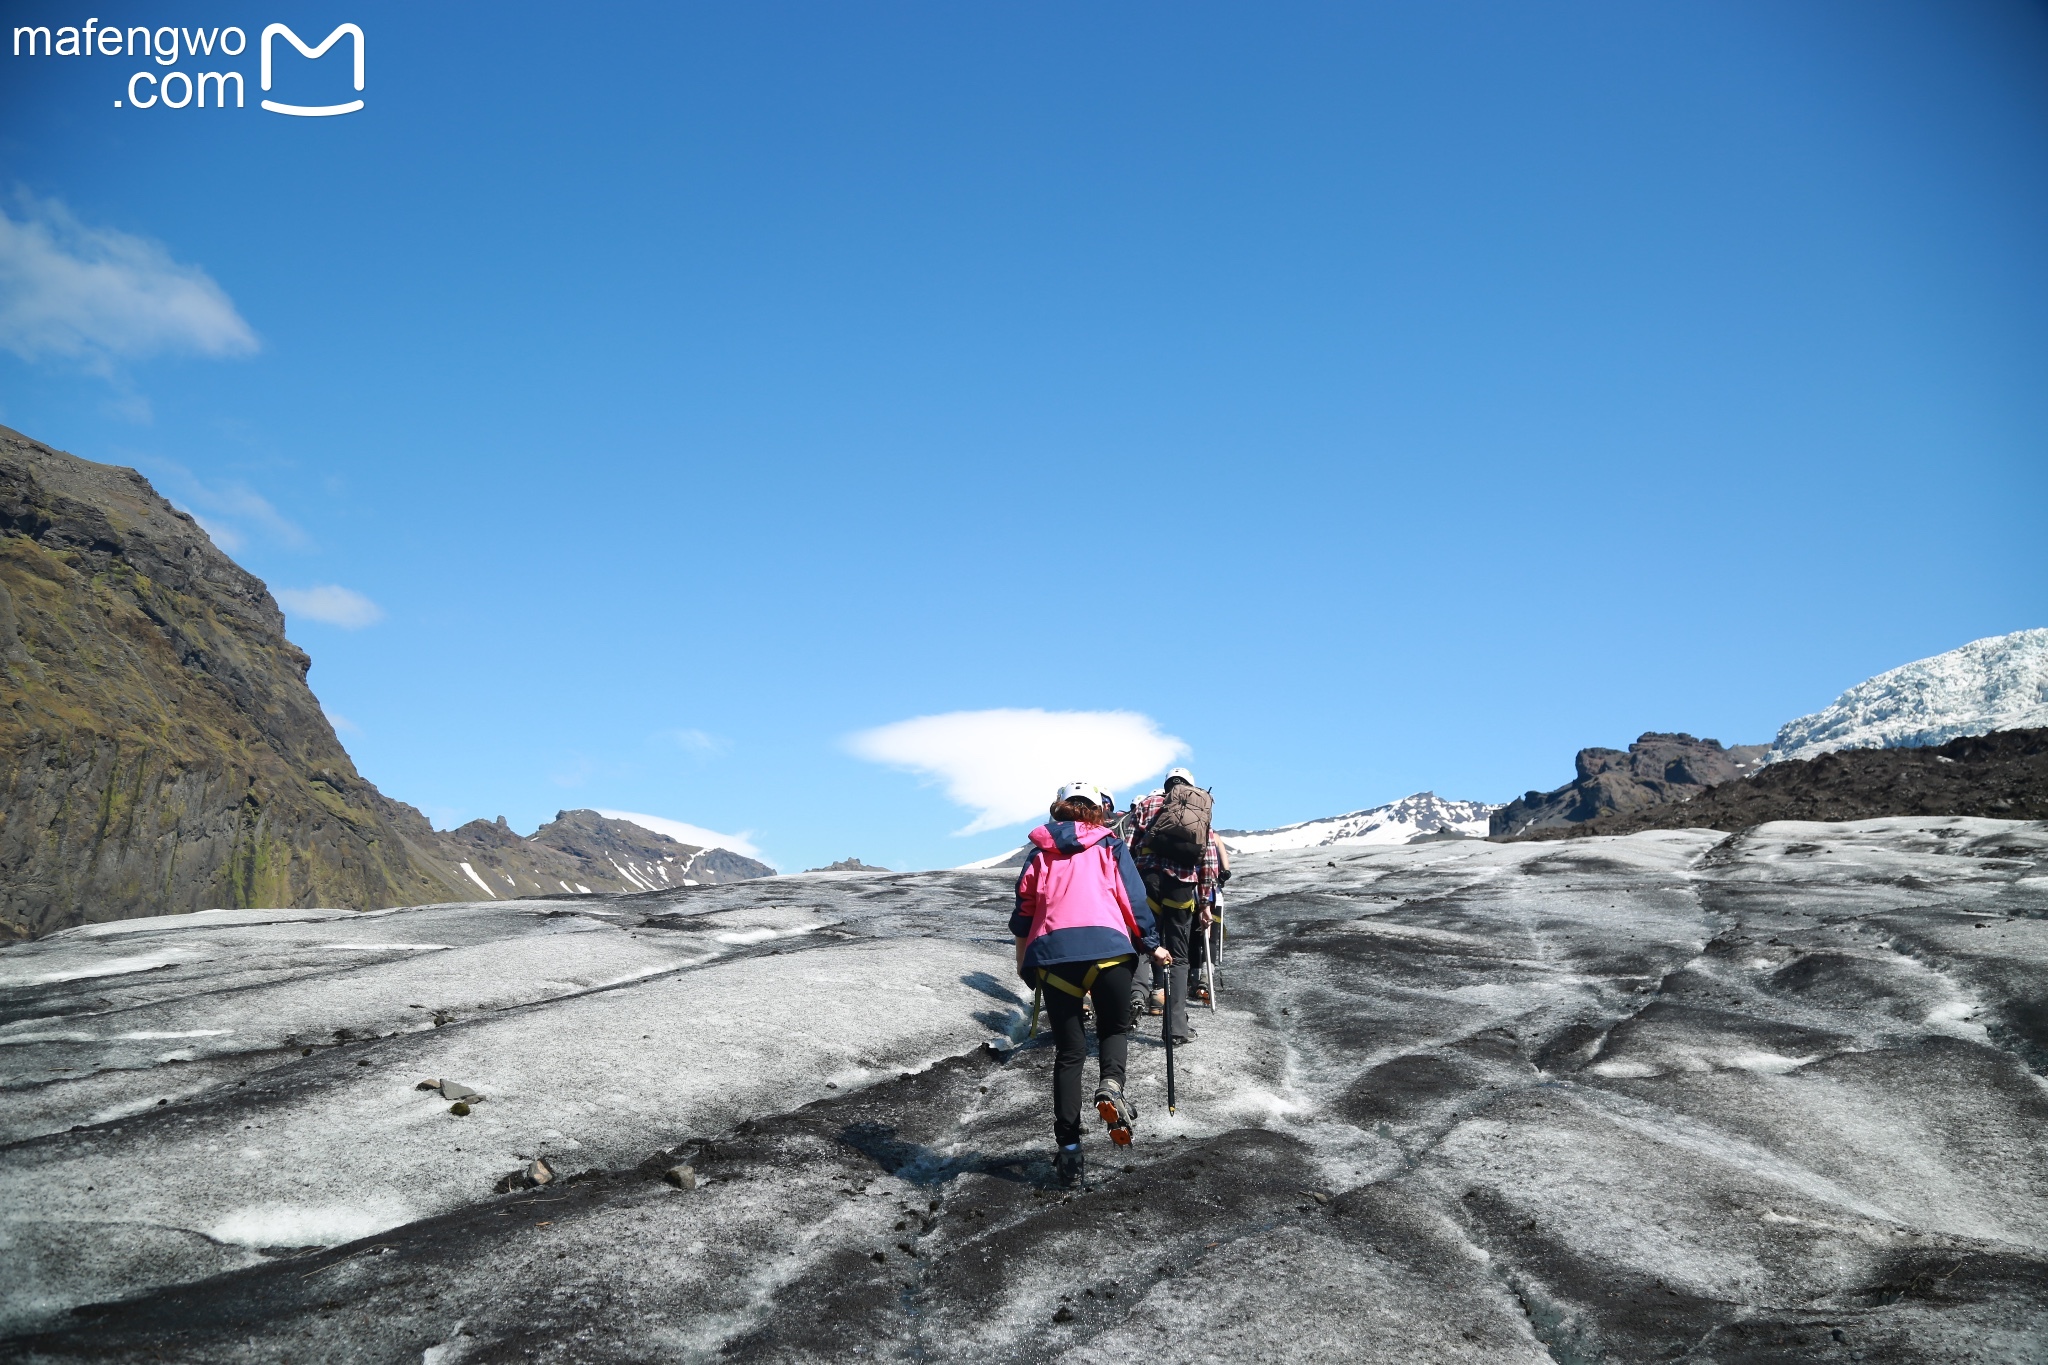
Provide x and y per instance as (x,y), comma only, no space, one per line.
(1369,398)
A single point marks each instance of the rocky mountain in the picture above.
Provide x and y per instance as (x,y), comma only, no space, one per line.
(1998,683)
(1397,822)
(160,750)
(1769,1098)
(581,852)
(1655,769)
(849,865)
(2003,775)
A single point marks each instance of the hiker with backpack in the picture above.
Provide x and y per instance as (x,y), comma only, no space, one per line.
(1180,864)
(1081,923)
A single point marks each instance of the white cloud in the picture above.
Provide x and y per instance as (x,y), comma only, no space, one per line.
(688,833)
(223,535)
(224,510)
(95,294)
(335,605)
(1006,765)
(696,741)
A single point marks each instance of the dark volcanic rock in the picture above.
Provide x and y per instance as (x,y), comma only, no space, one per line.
(1655,769)
(848,865)
(160,751)
(2003,776)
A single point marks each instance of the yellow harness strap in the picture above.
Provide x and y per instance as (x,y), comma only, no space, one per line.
(1046,978)
(1157,905)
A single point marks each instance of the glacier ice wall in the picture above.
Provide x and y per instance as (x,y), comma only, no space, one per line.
(1998,683)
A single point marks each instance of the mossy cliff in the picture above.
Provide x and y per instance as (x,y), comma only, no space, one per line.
(159,748)
(161,752)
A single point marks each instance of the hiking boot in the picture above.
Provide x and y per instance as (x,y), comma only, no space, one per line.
(1066,1167)
(1188,1036)
(1118,1112)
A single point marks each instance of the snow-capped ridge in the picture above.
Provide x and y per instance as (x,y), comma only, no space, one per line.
(1397,822)
(1997,683)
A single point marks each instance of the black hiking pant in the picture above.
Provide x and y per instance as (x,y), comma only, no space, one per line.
(1173,907)
(1112,991)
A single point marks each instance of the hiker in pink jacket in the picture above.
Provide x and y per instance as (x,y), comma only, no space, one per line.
(1080,924)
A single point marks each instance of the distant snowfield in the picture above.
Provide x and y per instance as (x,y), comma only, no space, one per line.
(1461,1101)
(1397,822)
(1999,683)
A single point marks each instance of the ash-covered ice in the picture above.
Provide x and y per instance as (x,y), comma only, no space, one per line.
(1670,1096)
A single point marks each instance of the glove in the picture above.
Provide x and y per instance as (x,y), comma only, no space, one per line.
(1223,877)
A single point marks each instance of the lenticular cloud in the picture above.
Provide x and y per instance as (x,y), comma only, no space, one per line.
(1006,765)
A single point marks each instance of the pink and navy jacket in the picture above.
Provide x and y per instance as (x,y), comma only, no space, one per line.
(1080,899)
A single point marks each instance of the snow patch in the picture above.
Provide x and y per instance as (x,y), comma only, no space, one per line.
(743,937)
(471,873)
(27,975)
(387,947)
(1767,1063)
(1629,1071)
(302,1225)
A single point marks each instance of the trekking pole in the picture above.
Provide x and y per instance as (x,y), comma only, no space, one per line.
(1212,938)
(1171,1107)
(1209,962)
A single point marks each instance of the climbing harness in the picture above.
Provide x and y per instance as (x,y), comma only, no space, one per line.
(1046,978)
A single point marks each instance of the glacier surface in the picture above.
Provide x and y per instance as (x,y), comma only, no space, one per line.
(1772,1097)
(1998,683)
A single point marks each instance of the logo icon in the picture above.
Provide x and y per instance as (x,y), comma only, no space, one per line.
(314,54)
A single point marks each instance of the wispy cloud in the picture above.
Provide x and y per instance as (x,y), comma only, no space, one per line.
(1006,765)
(742,843)
(336,606)
(226,510)
(97,295)
(696,742)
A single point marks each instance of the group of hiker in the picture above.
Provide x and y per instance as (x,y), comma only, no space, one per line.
(1107,905)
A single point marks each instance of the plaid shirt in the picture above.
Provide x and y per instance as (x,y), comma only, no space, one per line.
(1204,876)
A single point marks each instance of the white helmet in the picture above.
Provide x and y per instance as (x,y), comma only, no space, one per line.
(1183,774)
(1085,791)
